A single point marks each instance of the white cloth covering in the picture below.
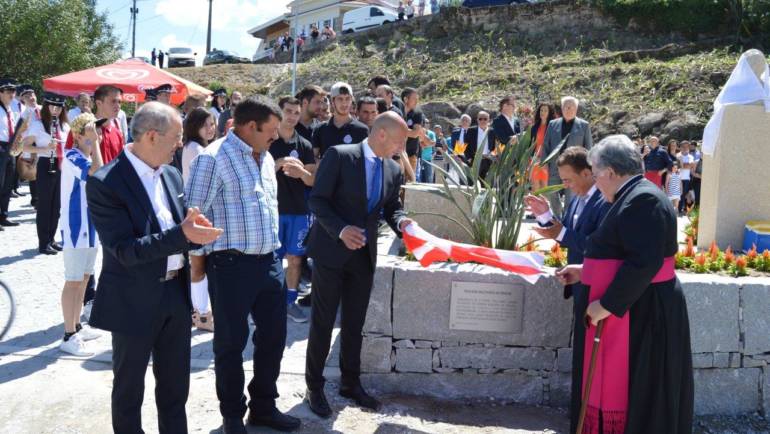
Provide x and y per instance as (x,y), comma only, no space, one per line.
(741,88)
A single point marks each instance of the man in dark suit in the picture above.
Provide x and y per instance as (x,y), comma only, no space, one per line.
(505,125)
(479,136)
(583,215)
(354,185)
(458,134)
(571,130)
(143,298)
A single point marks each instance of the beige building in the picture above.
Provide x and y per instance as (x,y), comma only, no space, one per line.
(307,13)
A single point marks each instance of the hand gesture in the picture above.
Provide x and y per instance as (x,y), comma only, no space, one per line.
(404,223)
(537,204)
(294,168)
(570,274)
(198,229)
(596,312)
(552,231)
(353,237)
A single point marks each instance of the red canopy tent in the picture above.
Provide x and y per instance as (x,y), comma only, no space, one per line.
(130,75)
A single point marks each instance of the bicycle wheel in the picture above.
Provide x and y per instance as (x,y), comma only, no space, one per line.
(7,309)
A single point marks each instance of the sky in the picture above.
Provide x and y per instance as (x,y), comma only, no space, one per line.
(183,23)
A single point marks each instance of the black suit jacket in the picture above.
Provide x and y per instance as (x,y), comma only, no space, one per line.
(472,138)
(576,233)
(136,250)
(502,129)
(338,199)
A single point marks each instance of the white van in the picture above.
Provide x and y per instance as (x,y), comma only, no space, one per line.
(367,17)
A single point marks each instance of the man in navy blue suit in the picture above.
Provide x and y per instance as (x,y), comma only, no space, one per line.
(581,218)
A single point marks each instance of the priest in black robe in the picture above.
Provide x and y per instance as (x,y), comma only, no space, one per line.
(643,382)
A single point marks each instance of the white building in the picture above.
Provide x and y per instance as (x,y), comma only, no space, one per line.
(307,13)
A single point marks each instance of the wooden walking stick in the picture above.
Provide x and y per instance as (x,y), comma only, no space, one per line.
(591,369)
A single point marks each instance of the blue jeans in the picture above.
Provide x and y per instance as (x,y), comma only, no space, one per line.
(426,171)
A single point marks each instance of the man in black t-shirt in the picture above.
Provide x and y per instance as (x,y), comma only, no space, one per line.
(311,99)
(341,128)
(414,120)
(295,172)
(386,92)
(379,80)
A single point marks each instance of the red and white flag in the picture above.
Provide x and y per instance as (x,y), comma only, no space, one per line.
(428,249)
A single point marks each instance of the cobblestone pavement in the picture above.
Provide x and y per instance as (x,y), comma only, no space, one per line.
(45,391)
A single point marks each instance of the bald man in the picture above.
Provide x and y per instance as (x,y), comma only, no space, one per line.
(354,184)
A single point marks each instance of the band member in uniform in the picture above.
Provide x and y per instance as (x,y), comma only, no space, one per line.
(8,119)
(643,382)
(163,93)
(49,133)
(26,163)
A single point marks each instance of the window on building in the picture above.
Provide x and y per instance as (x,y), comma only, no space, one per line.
(327,23)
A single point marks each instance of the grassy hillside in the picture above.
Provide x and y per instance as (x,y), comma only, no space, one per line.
(680,81)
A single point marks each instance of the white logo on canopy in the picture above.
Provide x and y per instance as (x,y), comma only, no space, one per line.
(122,74)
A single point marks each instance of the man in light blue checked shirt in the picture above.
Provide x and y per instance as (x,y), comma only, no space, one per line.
(233,183)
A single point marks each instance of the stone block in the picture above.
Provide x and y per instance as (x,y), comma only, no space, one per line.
(435,344)
(378,313)
(500,358)
(403,343)
(375,354)
(449,343)
(421,304)
(721,360)
(436,360)
(750,362)
(712,304)
(727,391)
(427,198)
(444,370)
(564,360)
(488,371)
(414,360)
(702,360)
(559,391)
(735,360)
(513,387)
(766,389)
(423,344)
(756,316)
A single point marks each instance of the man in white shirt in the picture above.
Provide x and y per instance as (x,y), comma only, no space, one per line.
(83,101)
(687,161)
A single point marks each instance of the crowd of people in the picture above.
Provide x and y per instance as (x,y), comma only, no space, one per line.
(208,213)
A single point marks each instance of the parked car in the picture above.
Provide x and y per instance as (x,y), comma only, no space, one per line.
(488,3)
(221,56)
(367,17)
(180,56)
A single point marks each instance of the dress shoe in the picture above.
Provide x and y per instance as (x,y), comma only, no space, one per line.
(275,420)
(56,246)
(47,250)
(5,222)
(359,395)
(233,425)
(318,403)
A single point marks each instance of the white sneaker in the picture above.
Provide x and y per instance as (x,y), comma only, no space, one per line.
(75,346)
(87,311)
(86,333)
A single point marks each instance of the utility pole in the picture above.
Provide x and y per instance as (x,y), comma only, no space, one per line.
(134,12)
(294,58)
(208,35)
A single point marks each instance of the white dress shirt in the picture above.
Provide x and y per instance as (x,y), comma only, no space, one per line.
(481,140)
(547,216)
(153,185)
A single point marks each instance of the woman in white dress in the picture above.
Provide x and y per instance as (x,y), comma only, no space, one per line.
(199,130)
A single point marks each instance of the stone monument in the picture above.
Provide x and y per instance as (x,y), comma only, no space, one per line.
(736,160)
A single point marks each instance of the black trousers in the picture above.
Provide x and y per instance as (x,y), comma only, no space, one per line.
(49,201)
(350,286)
(169,344)
(7,169)
(90,290)
(240,285)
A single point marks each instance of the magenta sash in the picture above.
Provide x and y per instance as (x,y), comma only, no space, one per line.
(609,389)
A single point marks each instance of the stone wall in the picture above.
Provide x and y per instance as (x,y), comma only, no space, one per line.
(409,347)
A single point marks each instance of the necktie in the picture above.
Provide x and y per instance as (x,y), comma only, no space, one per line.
(10,125)
(374,189)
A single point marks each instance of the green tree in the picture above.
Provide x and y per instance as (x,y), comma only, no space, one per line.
(43,38)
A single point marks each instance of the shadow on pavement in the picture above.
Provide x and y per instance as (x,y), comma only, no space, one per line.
(23,255)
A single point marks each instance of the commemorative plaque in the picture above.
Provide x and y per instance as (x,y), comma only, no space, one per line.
(486,307)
